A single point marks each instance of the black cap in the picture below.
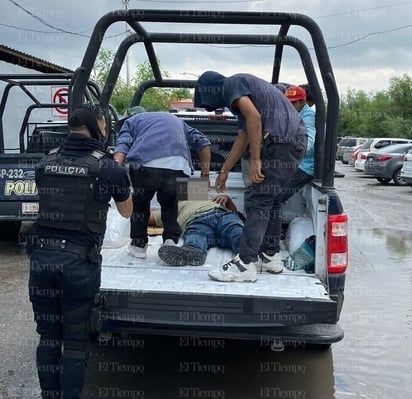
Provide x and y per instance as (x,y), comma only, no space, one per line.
(209,91)
(87,116)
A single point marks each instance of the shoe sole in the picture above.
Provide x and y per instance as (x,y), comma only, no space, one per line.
(138,256)
(179,256)
(271,271)
(143,256)
(233,279)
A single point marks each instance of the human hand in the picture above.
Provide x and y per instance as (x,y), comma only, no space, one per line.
(221,199)
(220,182)
(255,173)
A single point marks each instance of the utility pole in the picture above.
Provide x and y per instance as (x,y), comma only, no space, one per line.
(126,4)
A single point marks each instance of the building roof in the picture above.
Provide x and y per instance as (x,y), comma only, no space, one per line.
(25,60)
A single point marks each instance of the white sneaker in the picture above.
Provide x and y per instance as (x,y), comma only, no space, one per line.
(271,263)
(169,241)
(137,252)
(234,270)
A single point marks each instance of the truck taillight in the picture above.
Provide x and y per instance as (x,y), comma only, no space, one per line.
(337,247)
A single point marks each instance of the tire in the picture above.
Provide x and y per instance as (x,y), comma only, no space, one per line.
(9,230)
(398,179)
(383,180)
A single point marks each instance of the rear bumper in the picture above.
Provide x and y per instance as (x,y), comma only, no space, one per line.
(235,311)
(377,172)
(13,211)
(296,337)
(222,316)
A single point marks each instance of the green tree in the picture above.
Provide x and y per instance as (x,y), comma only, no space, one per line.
(154,99)
(382,114)
(400,94)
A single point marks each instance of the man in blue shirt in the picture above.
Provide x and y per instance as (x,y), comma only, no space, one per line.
(157,147)
(304,173)
(276,136)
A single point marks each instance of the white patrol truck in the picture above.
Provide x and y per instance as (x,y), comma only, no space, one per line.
(294,307)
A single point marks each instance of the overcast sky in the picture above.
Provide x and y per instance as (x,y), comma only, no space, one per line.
(369,41)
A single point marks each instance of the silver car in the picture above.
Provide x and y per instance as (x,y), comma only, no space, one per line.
(386,164)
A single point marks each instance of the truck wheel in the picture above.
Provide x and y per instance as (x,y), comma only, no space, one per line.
(383,180)
(10,230)
(397,178)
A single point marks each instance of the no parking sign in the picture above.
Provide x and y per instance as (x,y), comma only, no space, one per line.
(60,95)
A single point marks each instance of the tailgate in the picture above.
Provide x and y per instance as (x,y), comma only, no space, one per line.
(18,192)
(150,292)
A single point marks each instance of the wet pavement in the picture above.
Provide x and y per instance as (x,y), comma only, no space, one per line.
(374,360)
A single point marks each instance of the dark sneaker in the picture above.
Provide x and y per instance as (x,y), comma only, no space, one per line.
(181,256)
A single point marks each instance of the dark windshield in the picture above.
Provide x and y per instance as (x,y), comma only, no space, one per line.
(347,143)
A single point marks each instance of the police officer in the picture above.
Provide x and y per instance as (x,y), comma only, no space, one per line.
(75,184)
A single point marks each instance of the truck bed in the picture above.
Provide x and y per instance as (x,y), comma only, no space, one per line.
(149,295)
(121,271)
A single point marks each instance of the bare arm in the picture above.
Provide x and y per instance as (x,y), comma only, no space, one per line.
(238,148)
(205,156)
(254,131)
(125,208)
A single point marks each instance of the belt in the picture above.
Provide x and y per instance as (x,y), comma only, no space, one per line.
(65,246)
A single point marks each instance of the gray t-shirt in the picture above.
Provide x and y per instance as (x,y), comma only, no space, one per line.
(279,117)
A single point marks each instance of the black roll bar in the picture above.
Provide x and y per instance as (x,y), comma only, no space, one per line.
(326,136)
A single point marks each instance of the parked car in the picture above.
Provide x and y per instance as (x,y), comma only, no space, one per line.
(347,144)
(386,164)
(372,145)
(349,156)
(406,171)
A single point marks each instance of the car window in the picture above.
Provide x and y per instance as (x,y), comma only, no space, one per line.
(382,143)
(347,143)
(366,144)
(398,142)
(396,149)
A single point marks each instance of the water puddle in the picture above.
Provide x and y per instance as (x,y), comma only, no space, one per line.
(372,358)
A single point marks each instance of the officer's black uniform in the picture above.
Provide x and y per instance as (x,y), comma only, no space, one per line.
(75,184)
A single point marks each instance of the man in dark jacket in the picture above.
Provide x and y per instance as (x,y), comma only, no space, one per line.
(75,184)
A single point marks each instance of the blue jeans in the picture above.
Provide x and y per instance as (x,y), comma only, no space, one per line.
(263,200)
(62,287)
(217,228)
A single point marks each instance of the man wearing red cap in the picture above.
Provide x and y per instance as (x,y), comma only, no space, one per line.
(304,173)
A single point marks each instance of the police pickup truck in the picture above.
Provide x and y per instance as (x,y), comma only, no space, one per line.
(294,307)
(33,120)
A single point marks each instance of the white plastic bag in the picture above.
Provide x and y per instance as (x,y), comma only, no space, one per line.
(117,229)
(299,229)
